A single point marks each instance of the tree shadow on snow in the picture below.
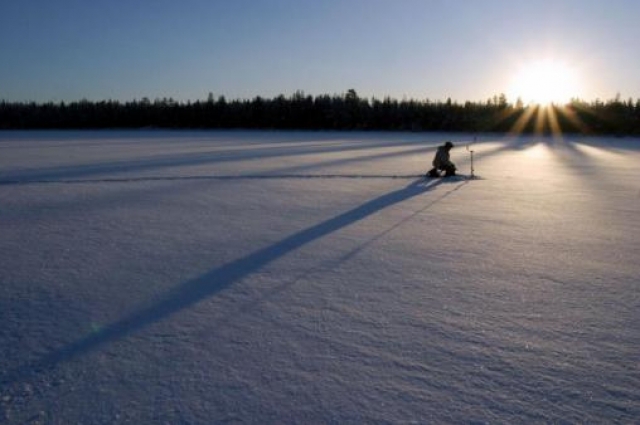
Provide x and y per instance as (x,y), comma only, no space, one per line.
(193,291)
(154,161)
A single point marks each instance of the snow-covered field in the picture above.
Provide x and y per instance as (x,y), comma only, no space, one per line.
(311,278)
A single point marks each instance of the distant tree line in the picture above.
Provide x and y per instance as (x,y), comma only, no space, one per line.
(347,111)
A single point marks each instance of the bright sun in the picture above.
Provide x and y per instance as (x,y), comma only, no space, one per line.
(543,83)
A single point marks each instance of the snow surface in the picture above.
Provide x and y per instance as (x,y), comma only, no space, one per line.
(291,277)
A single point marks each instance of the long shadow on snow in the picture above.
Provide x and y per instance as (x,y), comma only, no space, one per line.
(335,263)
(565,148)
(521,143)
(217,280)
(260,152)
(264,175)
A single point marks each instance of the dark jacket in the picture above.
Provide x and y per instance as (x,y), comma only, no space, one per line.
(441,160)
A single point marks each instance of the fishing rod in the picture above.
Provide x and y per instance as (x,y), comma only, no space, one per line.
(470,150)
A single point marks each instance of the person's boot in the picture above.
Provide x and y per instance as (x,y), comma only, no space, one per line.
(433,173)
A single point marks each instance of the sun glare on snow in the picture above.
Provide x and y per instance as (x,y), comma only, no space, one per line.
(544,82)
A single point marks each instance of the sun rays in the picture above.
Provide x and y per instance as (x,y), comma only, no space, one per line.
(543,91)
(545,120)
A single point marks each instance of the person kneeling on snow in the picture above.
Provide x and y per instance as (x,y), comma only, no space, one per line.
(441,162)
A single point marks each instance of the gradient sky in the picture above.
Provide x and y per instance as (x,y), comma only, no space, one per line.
(64,50)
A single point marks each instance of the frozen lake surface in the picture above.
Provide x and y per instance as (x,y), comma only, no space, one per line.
(291,277)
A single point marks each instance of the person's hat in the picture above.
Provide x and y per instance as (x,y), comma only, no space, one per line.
(449,144)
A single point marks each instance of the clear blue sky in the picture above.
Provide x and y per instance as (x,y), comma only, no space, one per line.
(464,49)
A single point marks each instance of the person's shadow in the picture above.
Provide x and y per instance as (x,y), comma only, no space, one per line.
(216,280)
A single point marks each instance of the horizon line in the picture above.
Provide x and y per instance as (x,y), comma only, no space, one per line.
(213,97)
